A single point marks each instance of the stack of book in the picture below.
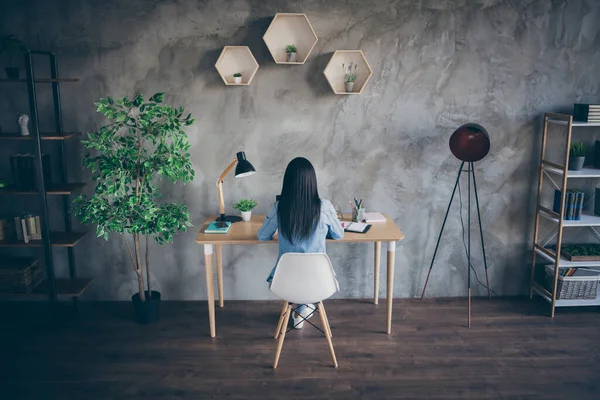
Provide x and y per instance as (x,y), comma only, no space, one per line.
(28,228)
(586,113)
(23,171)
(568,271)
(573,204)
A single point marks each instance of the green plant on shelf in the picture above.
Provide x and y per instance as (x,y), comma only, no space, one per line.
(237,75)
(350,72)
(577,149)
(245,205)
(290,48)
(143,142)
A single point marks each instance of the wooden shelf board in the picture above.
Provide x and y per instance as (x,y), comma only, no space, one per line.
(64,287)
(235,59)
(575,123)
(568,303)
(45,136)
(290,28)
(42,80)
(583,173)
(58,239)
(586,220)
(334,73)
(564,263)
(58,189)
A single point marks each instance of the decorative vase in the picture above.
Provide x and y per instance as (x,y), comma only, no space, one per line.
(576,163)
(349,86)
(291,57)
(237,79)
(246,215)
(12,72)
(146,312)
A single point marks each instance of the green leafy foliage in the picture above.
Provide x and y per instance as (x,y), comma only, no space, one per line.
(11,46)
(577,149)
(144,142)
(237,75)
(290,48)
(245,205)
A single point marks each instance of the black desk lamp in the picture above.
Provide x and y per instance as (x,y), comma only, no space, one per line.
(242,169)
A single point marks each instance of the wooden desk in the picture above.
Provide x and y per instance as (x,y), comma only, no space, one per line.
(246,233)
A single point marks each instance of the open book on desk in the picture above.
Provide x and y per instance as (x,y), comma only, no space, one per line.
(356,227)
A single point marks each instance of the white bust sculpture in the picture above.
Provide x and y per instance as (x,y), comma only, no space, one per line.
(23,121)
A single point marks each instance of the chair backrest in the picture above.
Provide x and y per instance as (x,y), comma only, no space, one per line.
(304,278)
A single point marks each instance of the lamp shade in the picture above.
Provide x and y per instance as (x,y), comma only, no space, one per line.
(243,167)
(470,142)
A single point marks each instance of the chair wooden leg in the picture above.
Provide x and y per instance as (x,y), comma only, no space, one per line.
(322,310)
(327,337)
(281,318)
(282,335)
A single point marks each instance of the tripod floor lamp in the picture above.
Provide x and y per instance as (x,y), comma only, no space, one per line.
(242,168)
(469,143)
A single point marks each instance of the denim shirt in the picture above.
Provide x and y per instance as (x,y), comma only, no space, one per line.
(329,226)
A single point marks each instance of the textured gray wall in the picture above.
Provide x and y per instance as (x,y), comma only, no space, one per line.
(437,65)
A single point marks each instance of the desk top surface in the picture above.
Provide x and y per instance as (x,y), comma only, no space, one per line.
(246,232)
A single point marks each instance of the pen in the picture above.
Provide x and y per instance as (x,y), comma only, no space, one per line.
(352,205)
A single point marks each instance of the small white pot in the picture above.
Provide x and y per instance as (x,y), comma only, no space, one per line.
(349,86)
(237,79)
(292,57)
(246,215)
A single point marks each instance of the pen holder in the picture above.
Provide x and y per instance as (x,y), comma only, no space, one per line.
(358,215)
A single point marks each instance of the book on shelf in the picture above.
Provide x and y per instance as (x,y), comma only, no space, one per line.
(573,206)
(24,173)
(586,112)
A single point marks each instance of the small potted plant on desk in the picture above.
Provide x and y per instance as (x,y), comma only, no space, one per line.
(245,206)
(577,156)
(143,142)
(12,47)
(290,52)
(237,78)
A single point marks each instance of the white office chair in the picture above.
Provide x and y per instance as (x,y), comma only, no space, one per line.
(303,278)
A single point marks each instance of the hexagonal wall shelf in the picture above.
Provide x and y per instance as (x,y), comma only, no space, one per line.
(290,28)
(335,71)
(235,59)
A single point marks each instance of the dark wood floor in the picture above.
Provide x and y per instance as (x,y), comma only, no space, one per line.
(512,351)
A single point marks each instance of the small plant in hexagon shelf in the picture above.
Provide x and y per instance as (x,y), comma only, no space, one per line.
(291,53)
(577,156)
(245,206)
(237,78)
(143,142)
(349,76)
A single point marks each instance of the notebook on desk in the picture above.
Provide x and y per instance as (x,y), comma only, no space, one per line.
(213,227)
(374,217)
(356,227)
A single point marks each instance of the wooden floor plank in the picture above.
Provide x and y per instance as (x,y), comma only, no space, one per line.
(513,350)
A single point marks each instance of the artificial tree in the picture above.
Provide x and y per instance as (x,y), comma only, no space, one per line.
(143,142)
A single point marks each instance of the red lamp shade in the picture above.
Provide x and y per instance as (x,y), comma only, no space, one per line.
(470,142)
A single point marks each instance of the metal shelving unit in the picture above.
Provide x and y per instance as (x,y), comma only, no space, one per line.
(590,221)
(71,287)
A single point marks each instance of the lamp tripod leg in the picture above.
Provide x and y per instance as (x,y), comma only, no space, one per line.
(437,245)
(469,245)
(487,280)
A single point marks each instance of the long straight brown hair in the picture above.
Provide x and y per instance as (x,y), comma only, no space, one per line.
(299,207)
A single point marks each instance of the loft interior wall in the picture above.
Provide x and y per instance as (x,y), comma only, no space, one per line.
(436,66)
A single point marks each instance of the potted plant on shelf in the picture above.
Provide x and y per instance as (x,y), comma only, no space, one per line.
(349,76)
(143,142)
(290,52)
(577,156)
(237,78)
(11,46)
(245,206)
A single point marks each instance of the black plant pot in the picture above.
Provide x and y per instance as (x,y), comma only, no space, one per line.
(576,163)
(146,312)
(12,72)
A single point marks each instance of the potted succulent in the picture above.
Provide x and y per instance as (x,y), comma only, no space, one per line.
(237,78)
(245,206)
(290,52)
(11,46)
(143,142)
(577,156)
(349,76)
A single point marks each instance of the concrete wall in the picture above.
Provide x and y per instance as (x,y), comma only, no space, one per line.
(437,65)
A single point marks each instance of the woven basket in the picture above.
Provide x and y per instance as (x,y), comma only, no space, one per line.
(573,287)
(20,275)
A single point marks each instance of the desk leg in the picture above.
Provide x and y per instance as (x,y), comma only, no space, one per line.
(377,261)
(210,287)
(391,258)
(219,249)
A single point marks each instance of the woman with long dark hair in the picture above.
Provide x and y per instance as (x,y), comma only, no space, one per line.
(304,220)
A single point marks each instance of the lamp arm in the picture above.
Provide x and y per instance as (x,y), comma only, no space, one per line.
(220,186)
